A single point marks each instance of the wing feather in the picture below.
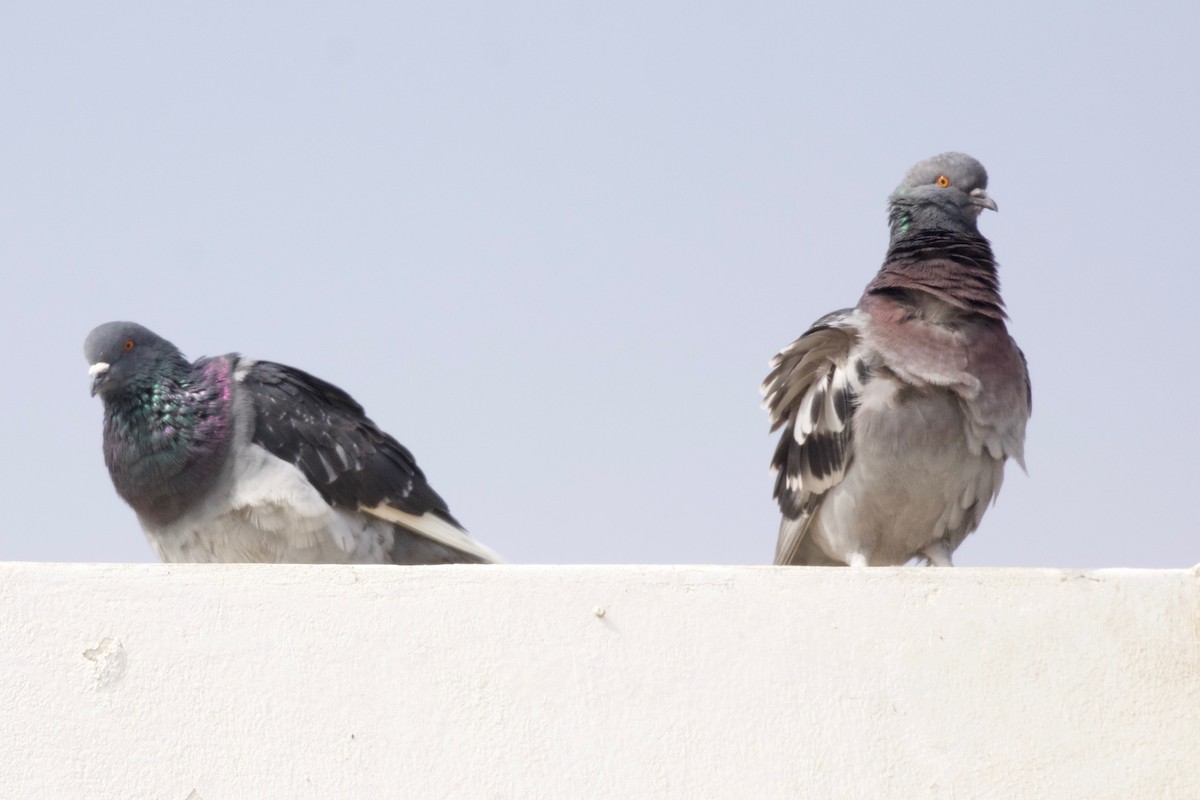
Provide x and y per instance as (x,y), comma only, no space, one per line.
(353,464)
(812,392)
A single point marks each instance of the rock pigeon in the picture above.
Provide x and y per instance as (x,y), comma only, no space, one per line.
(232,459)
(898,414)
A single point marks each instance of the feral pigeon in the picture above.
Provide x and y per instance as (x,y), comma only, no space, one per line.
(898,414)
(232,459)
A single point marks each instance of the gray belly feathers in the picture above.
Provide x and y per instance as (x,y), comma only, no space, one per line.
(265,510)
(916,481)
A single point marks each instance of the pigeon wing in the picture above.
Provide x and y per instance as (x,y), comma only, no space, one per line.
(812,392)
(353,464)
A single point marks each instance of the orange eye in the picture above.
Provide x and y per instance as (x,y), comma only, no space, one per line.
(129,344)
(942,181)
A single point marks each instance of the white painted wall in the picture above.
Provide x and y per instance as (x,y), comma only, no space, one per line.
(226,682)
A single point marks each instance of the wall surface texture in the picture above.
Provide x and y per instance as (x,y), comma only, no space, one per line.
(226,682)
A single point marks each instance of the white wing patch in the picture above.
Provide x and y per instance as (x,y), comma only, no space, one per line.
(436,529)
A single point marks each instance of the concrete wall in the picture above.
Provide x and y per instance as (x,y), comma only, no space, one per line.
(216,683)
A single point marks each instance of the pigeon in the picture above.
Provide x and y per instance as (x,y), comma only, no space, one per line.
(229,459)
(899,414)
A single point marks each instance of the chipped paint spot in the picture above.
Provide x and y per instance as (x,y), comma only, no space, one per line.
(109,662)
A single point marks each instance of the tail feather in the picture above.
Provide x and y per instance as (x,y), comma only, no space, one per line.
(438,530)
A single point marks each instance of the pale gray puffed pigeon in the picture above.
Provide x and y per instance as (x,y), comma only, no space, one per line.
(232,459)
(899,413)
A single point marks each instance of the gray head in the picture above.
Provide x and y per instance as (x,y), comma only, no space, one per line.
(125,353)
(948,191)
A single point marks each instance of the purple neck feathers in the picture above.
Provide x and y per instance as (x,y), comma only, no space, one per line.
(957,268)
(166,440)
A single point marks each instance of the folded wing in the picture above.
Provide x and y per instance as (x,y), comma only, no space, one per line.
(353,464)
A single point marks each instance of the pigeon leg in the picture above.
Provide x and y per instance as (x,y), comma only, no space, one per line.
(938,554)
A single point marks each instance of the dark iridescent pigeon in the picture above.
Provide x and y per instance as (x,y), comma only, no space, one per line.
(899,414)
(232,459)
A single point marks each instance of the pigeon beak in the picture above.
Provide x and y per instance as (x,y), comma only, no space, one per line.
(99,372)
(980,199)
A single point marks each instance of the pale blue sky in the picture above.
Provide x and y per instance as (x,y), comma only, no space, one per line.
(552,246)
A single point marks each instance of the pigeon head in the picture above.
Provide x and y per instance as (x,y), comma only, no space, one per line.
(122,354)
(946,192)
